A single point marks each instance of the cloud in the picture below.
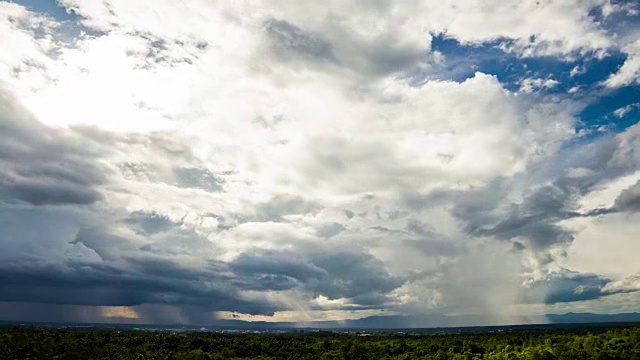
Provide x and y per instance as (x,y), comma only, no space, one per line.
(29,41)
(272,266)
(290,39)
(109,270)
(621,112)
(44,166)
(534,219)
(537,215)
(272,157)
(531,85)
(629,72)
(285,204)
(629,199)
(330,229)
(525,23)
(112,279)
(150,223)
(628,284)
(197,178)
(352,274)
(565,286)
(444,121)
(569,286)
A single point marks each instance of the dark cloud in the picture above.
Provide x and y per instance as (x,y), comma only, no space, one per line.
(119,273)
(629,199)
(44,166)
(474,208)
(371,300)
(75,257)
(276,265)
(357,276)
(340,46)
(141,314)
(125,282)
(565,286)
(45,191)
(518,246)
(107,246)
(352,274)
(149,223)
(294,40)
(42,312)
(534,221)
(100,261)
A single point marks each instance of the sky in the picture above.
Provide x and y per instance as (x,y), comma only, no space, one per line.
(185,161)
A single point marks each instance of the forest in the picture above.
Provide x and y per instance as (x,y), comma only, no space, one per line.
(77,343)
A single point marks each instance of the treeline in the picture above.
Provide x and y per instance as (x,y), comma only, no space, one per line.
(29,343)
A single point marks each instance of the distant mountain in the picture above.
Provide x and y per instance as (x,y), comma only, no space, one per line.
(435,322)
(575,318)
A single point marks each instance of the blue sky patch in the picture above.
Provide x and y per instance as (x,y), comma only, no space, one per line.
(50,8)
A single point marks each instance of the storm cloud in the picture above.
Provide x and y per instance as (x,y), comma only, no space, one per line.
(44,166)
(317,160)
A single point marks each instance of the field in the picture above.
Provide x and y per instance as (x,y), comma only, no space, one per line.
(78,343)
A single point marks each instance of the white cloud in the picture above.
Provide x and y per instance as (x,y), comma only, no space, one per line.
(526,23)
(530,85)
(604,246)
(629,72)
(621,112)
(373,22)
(630,284)
(25,56)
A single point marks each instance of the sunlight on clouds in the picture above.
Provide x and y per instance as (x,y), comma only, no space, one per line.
(123,312)
(605,245)
(99,84)
(605,195)
(306,316)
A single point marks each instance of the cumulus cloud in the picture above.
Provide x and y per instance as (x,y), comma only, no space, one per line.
(628,284)
(531,85)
